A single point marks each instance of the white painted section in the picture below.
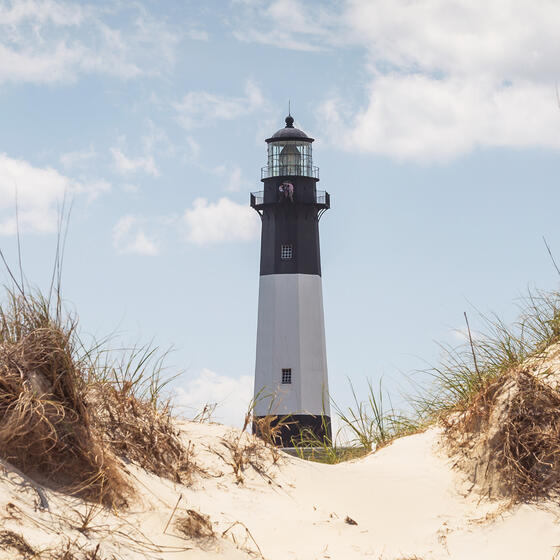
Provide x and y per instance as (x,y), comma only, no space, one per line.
(291,334)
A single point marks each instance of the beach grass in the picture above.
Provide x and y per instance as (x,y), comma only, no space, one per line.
(464,374)
(70,412)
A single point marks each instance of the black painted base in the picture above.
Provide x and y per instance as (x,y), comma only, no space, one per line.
(297,430)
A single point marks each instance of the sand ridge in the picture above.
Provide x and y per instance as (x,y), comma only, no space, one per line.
(407,499)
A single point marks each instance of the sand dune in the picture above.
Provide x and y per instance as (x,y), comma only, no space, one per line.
(407,501)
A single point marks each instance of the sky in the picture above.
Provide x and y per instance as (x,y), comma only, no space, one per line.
(437,127)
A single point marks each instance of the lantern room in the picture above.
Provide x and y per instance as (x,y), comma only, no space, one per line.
(289,153)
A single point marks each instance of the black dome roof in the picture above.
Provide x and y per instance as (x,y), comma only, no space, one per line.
(289,132)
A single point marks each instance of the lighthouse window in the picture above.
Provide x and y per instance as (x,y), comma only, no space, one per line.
(286,376)
(286,252)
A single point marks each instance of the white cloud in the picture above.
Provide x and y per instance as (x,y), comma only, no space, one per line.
(448,77)
(415,117)
(505,39)
(53,41)
(130,188)
(126,165)
(13,14)
(197,35)
(93,188)
(130,238)
(219,222)
(78,158)
(236,181)
(204,223)
(442,78)
(286,24)
(157,140)
(40,194)
(193,148)
(154,143)
(232,396)
(199,107)
(232,178)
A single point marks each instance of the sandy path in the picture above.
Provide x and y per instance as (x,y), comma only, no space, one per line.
(406,499)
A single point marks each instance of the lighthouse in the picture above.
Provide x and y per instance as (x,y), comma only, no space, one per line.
(291,364)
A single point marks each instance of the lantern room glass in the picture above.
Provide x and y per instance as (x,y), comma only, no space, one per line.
(289,157)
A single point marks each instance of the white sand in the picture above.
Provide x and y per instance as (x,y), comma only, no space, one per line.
(407,501)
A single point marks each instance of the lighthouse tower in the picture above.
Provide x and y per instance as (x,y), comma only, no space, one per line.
(291,365)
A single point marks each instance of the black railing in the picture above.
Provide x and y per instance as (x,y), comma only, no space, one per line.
(285,170)
(257,198)
(321,199)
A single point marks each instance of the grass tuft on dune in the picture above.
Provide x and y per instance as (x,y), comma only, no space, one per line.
(496,396)
(69,415)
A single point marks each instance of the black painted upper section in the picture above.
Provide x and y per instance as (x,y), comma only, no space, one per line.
(287,222)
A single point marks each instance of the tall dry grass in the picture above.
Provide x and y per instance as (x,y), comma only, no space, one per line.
(47,429)
(133,415)
(462,383)
(70,413)
(496,412)
(497,349)
(509,437)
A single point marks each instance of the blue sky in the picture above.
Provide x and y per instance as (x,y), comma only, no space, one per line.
(437,133)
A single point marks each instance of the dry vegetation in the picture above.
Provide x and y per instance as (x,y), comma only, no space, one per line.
(499,406)
(509,437)
(497,398)
(47,429)
(140,430)
(14,542)
(194,524)
(243,450)
(69,414)
(9,540)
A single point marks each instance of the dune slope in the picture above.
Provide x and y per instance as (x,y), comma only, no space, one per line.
(405,501)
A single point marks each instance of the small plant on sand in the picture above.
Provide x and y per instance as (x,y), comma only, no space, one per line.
(194,524)
(85,518)
(206,413)
(364,426)
(367,420)
(321,447)
(70,550)
(270,430)
(15,542)
(312,446)
(244,450)
(370,424)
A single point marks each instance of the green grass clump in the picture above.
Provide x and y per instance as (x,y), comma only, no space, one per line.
(467,370)
(464,373)
(365,426)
